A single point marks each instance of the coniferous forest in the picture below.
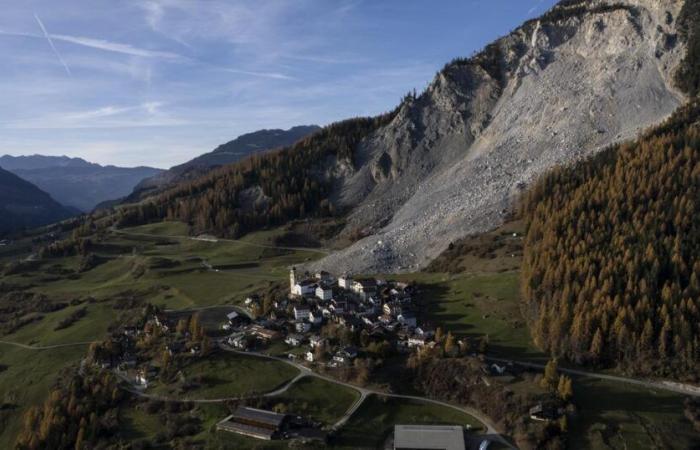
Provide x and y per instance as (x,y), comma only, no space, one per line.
(611,275)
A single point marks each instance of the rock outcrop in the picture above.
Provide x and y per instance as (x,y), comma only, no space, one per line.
(582,77)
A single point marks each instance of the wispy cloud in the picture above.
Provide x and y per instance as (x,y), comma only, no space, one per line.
(116,47)
(53,47)
(535,7)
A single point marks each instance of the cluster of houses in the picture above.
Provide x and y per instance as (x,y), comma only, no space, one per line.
(384,310)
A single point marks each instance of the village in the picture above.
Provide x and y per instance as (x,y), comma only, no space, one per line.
(374,309)
(333,328)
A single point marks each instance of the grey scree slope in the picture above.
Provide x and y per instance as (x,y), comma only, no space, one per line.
(452,161)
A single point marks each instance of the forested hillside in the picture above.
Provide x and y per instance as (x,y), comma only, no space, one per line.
(611,274)
(23,205)
(262,190)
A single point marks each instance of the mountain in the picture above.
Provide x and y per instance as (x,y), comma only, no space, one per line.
(227,153)
(450,161)
(23,205)
(74,181)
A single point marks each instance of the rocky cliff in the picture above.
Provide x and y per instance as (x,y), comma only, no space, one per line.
(450,163)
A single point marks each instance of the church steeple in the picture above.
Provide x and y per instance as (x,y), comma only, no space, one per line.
(292,278)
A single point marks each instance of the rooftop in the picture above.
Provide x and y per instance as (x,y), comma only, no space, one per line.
(428,437)
(258,415)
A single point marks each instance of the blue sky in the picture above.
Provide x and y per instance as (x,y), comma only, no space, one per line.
(157,82)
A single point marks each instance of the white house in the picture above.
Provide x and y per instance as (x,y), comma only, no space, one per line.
(301,312)
(309,356)
(302,327)
(345,282)
(294,340)
(324,292)
(304,288)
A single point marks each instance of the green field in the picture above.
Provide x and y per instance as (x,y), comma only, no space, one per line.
(26,380)
(375,419)
(317,399)
(227,375)
(149,264)
(615,415)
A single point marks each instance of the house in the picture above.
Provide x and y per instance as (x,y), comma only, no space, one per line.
(407,319)
(324,292)
(263,333)
(338,306)
(238,340)
(543,413)
(365,287)
(304,288)
(309,356)
(323,276)
(141,379)
(302,327)
(391,309)
(345,282)
(316,341)
(301,312)
(417,340)
(252,300)
(294,340)
(316,318)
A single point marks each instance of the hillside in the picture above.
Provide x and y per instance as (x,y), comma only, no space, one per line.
(450,161)
(23,205)
(610,273)
(74,181)
(230,152)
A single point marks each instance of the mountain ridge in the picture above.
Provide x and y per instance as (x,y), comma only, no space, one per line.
(76,182)
(24,205)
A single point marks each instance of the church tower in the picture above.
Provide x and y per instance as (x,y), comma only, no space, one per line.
(292,278)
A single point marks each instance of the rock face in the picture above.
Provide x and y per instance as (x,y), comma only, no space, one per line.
(582,77)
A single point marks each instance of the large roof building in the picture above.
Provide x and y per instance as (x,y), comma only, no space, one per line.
(428,437)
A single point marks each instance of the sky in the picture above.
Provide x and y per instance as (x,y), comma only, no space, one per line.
(158,82)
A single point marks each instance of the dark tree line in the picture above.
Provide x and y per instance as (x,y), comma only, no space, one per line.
(264,190)
(611,274)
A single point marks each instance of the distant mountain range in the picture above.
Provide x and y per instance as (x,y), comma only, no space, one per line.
(75,182)
(230,152)
(23,205)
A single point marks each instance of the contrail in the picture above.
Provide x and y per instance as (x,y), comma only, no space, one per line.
(53,47)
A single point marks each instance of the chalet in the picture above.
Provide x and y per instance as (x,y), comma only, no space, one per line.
(304,288)
(309,356)
(417,340)
(294,340)
(238,340)
(364,288)
(392,309)
(545,413)
(301,312)
(253,422)
(302,327)
(263,333)
(316,341)
(324,292)
(345,282)
(323,276)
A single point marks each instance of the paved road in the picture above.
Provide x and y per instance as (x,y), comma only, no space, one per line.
(678,388)
(136,391)
(491,430)
(45,347)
